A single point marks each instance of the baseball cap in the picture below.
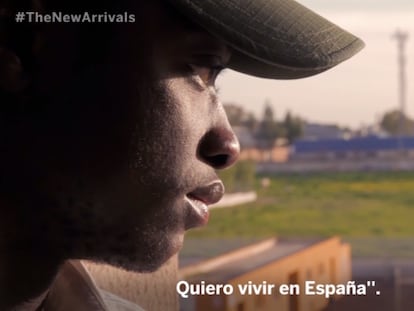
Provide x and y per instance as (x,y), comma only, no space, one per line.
(278,39)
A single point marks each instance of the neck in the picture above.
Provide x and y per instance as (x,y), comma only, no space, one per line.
(31,305)
(28,261)
(27,270)
(25,279)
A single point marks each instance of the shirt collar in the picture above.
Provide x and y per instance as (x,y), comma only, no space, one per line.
(73,289)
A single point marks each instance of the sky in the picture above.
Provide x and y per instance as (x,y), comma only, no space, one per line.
(357,92)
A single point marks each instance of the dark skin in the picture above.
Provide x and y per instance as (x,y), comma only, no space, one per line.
(117,157)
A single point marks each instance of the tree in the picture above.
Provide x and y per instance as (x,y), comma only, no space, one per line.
(234,114)
(250,122)
(395,123)
(239,117)
(268,129)
(293,127)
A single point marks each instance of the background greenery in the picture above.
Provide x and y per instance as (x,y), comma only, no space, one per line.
(374,211)
(240,177)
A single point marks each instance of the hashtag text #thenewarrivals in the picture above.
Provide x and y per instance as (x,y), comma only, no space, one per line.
(85,17)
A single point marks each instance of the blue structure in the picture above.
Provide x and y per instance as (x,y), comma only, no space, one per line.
(370,144)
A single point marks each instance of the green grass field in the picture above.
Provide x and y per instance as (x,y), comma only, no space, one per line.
(368,209)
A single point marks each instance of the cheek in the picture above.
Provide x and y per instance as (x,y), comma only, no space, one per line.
(167,134)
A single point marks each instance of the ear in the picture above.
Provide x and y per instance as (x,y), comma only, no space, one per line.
(11,72)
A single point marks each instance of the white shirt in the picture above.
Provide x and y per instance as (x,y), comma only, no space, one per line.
(74,289)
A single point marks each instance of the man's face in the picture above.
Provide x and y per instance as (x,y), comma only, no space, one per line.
(124,157)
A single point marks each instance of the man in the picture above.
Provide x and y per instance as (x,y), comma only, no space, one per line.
(111,133)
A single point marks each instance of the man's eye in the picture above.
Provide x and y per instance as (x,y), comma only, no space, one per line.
(207,73)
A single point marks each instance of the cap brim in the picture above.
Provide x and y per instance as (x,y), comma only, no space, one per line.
(278,39)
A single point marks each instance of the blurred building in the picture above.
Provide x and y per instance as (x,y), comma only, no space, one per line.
(357,148)
(316,131)
(274,262)
(253,149)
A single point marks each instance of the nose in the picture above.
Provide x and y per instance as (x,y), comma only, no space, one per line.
(219,148)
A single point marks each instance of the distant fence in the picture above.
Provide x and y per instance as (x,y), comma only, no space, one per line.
(233,199)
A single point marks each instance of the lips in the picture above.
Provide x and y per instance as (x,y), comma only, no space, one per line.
(197,202)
